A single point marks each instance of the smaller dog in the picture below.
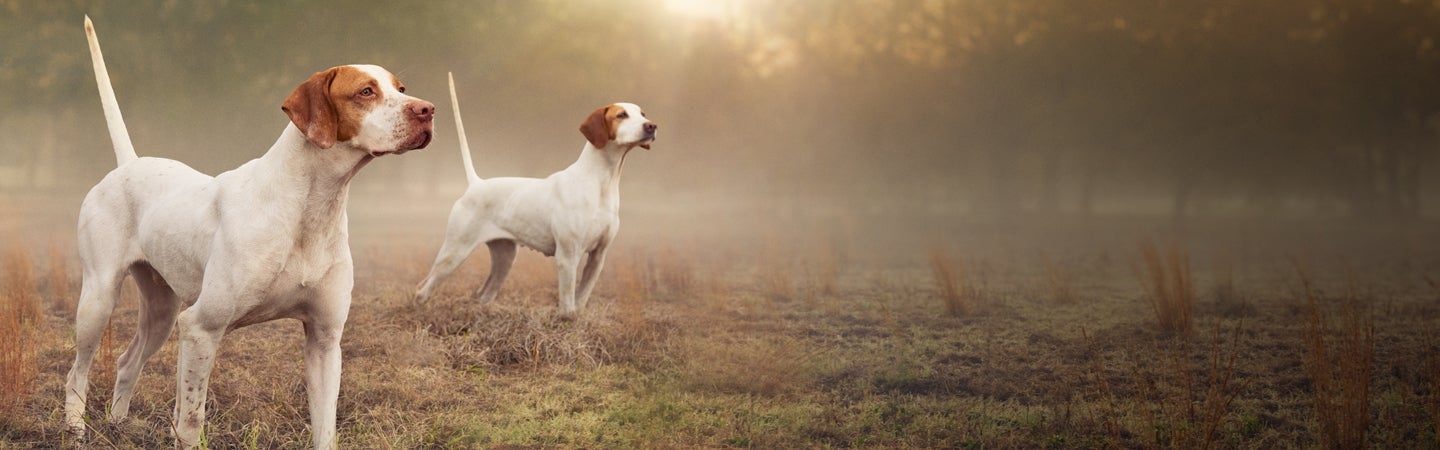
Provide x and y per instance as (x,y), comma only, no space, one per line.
(573,214)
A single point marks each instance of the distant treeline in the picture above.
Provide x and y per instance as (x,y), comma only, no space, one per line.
(1001,107)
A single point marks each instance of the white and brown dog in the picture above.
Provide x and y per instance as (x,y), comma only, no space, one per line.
(265,241)
(572,215)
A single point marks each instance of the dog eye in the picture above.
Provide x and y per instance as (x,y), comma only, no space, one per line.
(402,89)
(624,115)
(367,92)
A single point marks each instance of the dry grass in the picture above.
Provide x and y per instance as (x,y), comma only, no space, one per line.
(1168,286)
(692,349)
(752,366)
(1339,363)
(956,292)
(663,275)
(19,330)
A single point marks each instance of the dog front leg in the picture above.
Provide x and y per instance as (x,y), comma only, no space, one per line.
(199,340)
(322,380)
(591,274)
(567,262)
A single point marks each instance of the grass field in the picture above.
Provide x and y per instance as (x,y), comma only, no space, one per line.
(959,336)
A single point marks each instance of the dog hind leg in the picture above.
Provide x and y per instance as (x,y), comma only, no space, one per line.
(502,257)
(158,308)
(459,242)
(99,289)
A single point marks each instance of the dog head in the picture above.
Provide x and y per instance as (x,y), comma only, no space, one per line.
(624,124)
(364,106)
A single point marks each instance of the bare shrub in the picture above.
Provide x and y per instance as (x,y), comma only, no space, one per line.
(19,317)
(956,292)
(1168,286)
(1339,363)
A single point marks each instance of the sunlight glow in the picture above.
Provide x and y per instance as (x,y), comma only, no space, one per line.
(702,9)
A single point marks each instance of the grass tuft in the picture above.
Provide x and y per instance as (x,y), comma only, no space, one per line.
(1060,283)
(956,293)
(1230,300)
(1168,286)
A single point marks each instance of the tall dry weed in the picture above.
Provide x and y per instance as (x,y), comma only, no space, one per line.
(1340,363)
(19,330)
(1188,407)
(1097,382)
(58,281)
(1168,286)
(1432,401)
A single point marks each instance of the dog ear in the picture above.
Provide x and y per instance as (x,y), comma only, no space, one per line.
(596,128)
(310,109)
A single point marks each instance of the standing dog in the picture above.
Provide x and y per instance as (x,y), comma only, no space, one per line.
(573,214)
(265,241)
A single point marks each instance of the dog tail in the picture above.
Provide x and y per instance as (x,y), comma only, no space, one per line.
(460,128)
(119,136)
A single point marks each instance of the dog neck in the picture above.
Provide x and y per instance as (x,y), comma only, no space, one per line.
(317,180)
(602,166)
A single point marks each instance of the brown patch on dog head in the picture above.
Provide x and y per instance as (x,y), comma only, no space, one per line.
(599,127)
(330,106)
(311,110)
(355,93)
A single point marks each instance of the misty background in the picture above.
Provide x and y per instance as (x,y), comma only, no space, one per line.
(995,111)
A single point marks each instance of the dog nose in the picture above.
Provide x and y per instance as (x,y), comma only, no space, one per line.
(422,110)
(650,127)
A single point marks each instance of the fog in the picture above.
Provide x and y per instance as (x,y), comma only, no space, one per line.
(867,114)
